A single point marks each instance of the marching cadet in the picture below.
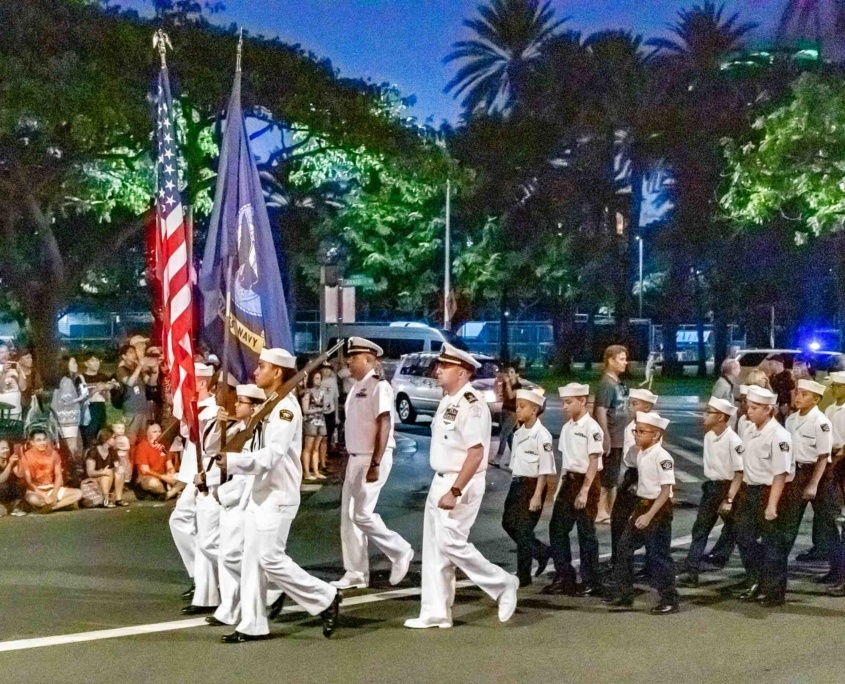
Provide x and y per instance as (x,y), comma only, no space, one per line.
(577,496)
(183,520)
(723,467)
(768,466)
(812,444)
(651,522)
(640,401)
(532,463)
(370,444)
(836,414)
(274,461)
(460,447)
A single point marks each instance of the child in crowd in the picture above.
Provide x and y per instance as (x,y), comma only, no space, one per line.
(122,446)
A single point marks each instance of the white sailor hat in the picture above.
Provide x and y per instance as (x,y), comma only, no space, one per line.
(251,391)
(722,406)
(743,390)
(203,371)
(278,357)
(573,389)
(453,355)
(643,395)
(811,386)
(213,358)
(653,419)
(535,396)
(760,395)
(838,377)
(360,345)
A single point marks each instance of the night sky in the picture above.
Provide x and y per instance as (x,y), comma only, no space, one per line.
(404,41)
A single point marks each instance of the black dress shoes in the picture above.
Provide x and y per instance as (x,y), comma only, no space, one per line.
(198,610)
(585,590)
(664,609)
(239,637)
(750,594)
(771,601)
(811,555)
(525,582)
(214,622)
(830,578)
(188,595)
(688,580)
(558,588)
(714,561)
(619,603)
(330,616)
(276,607)
(543,561)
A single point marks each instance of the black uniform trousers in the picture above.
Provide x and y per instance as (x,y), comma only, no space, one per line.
(624,504)
(519,522)
(828,498)
(713,493)
(564,517)
(657,539)
(760,541)
(824,509)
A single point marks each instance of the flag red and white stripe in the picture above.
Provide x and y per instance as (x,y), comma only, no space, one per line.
(174,266)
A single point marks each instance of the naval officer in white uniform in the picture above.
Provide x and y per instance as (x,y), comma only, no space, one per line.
(274,461)
(370,444)
(460,447)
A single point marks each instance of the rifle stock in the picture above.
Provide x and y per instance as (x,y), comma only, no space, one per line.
(237,442)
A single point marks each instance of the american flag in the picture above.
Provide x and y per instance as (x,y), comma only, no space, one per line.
(174,269)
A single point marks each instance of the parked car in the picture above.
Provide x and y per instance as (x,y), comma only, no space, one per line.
(417,392)
(819,361)
(397,339)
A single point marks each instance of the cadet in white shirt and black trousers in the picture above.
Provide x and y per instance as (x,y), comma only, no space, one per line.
(533,463)
(723,468)
(768,467)
(651,522)
(577,496)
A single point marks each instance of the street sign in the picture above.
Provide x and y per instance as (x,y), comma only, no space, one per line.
(358,281)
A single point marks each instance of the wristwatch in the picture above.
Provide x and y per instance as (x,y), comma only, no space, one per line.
(729,501)
(374,464)
(455,491)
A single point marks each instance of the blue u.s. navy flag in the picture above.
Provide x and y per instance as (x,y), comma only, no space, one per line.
(240,229)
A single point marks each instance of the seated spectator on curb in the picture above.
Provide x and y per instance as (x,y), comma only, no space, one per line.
(10,492)
(41,468)
(121,443)
(156,473)
(103,465)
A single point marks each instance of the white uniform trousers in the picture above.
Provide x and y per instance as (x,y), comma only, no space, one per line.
(265,560)
(358,520)
(183,526)
(446,547)
(230,556)
(206,592)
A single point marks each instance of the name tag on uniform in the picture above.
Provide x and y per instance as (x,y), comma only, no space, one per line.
(451,413)
(362,394)
(580,434)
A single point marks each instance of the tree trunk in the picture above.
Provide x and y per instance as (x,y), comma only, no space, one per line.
(563,329)
(42,312)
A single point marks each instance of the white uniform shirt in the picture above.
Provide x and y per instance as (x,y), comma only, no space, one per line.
(231,492)
(274,457)
(656,467)
(722,455)
(836,415)
(369,398)
(533,454)
(462,421)
(629,446)
(768,452)
(578,440)
(188,464)
(811,435)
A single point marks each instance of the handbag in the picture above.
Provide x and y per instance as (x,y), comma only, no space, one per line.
(92,495)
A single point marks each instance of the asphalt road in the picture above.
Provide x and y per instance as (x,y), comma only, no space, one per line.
(79,573)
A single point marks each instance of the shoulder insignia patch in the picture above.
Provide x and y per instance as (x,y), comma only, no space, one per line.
(470,397)
(784,446)
(475,412)
(825,427)
(597,436)
(740,449)
(287,415)
(666,465)
(547,446)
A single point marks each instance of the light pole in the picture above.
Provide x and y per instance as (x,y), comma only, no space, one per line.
(640,243)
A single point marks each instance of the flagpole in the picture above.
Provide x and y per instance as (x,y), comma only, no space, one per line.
(447,285)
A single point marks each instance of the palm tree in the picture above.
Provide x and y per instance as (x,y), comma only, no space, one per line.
(510,37)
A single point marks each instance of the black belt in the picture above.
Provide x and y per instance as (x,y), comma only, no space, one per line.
(516,478)
(805,465)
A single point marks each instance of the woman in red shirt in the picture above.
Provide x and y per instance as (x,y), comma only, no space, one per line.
(156,473)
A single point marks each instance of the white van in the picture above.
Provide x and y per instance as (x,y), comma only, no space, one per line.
(397,339)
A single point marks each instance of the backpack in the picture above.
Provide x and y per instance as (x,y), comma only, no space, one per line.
(118,395)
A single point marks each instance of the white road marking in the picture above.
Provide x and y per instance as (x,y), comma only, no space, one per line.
(686,454)
(136,630)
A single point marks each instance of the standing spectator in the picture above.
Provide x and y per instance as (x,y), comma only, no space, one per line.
(727,384)
(102,464)
(10,391)
(611,413)
(27,379)
(99,385)
(654,357)
(509,383)
(313,427)
(783,384)
(156,473)
(330,409)
(133,373)
(41,468)
(9,486)
(67,406)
